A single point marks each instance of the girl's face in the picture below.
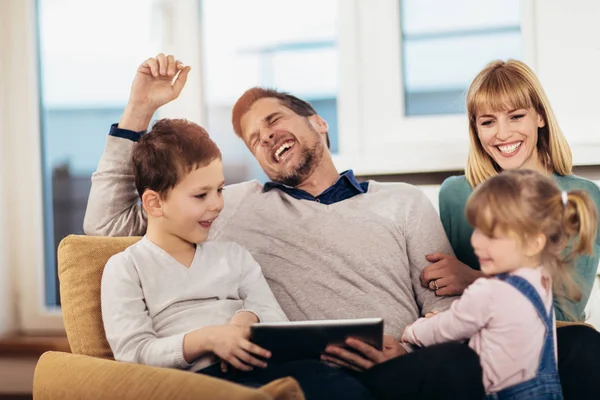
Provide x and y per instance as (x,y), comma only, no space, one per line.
(510,137)
(505,253)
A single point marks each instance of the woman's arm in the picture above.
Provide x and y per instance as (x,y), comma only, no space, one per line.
(450,273)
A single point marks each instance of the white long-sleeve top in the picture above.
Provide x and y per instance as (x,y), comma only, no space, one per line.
(150,300)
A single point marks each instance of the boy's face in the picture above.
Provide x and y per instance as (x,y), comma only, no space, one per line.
(193,204)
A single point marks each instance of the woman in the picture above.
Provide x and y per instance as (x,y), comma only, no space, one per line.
(512,126)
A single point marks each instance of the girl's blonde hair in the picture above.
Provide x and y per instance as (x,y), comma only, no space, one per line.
(524,203)
(505,86)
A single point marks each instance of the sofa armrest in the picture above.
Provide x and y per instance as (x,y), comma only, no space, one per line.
(76,377)
(562,324)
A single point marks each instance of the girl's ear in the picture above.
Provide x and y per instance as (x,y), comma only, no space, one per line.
(152,203)
(534,245)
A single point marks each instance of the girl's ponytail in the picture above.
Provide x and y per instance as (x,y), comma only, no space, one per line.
(580,221)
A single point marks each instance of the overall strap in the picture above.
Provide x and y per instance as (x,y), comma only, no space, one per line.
(547,359)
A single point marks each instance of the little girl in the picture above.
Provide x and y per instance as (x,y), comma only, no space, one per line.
(522,224)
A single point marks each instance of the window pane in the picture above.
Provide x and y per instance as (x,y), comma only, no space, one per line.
(254,46)
(87,65)
(445,49)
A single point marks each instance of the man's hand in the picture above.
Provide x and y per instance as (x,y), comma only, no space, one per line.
(157,82)
(447,276)
(362,356)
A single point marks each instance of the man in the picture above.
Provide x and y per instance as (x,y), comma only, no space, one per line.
(329,246)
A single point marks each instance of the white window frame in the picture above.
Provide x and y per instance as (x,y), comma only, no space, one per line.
(24,230)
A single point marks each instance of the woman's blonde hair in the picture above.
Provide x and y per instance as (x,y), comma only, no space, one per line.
(512,85)
(524,203)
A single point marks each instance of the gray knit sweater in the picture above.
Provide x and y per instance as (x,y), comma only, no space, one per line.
(357,258)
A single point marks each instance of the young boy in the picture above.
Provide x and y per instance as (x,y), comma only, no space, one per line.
(175,300)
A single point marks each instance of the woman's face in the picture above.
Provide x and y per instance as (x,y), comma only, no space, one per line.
(510,137)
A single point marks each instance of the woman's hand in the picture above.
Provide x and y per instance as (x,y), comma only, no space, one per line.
(362,356)
(447,276)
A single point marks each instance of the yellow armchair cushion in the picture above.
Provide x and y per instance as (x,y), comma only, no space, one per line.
(81,261)
(76,377)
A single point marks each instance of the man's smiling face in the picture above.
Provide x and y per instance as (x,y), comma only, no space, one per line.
(287,146)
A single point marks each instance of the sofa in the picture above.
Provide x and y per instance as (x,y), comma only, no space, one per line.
(90,371)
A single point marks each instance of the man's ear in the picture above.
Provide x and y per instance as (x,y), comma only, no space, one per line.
(534,245)
(319,124)
(152,203)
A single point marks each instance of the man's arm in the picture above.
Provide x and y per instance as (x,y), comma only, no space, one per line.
(113,208)
(424,235)
(254,290)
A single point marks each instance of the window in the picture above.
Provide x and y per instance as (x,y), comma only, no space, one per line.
(283,45)
(446,43)
(85,81)
(415,61)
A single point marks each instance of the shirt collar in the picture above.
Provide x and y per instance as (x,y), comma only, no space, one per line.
(345,177)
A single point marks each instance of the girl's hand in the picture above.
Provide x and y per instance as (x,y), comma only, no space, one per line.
(405,335)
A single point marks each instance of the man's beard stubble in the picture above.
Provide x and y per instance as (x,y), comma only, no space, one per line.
(309,159)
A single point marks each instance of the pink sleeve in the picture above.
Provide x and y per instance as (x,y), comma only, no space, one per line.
(465,317)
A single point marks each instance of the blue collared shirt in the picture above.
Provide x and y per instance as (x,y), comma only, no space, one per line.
(344,188)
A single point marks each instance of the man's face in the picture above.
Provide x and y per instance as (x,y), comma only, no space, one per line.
(287,146)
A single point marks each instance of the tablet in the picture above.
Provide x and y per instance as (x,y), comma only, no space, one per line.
(297,340)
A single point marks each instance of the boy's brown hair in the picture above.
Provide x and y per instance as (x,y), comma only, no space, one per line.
(172,149)
(243,104)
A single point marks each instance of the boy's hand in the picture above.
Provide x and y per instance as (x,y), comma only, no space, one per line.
(230,343)
(158,81)
(243,318)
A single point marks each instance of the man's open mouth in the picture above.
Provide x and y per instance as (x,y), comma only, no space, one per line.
(283,149)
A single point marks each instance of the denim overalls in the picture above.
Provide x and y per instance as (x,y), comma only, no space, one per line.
(546,384)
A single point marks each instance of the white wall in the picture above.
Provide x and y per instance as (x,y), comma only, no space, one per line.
(7,302)
(567,61)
